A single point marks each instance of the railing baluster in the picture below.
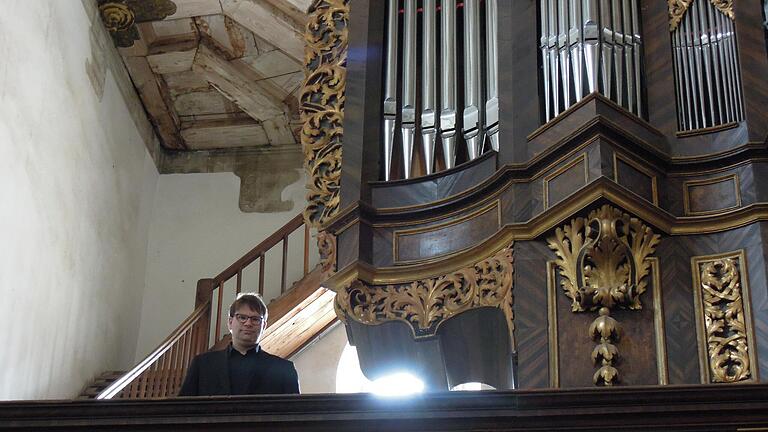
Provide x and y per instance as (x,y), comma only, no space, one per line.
(285,264)
(218,311)
(306,249)
(261,274)
(239,281)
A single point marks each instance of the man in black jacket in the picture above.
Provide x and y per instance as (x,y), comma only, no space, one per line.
(243,367)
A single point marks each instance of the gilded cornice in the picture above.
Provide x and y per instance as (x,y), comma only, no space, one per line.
(600,190)
(120,17)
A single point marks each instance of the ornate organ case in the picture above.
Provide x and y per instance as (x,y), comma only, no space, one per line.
(543,193)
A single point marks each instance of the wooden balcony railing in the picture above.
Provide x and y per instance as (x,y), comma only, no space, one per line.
(161,373)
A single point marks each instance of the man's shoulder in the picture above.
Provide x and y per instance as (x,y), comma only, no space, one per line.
(275,359)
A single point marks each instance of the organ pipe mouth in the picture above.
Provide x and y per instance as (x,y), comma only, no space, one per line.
(430,92)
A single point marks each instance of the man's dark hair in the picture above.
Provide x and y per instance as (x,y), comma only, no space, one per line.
(253,301)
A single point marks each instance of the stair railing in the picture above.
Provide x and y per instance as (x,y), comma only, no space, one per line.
(160,374)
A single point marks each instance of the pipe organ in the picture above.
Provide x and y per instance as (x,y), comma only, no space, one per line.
(616,236)
(588,46)
(707,73)
(468,103)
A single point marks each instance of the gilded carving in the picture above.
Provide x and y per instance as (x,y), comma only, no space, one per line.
(677,9)
(602,261)
(425,304)
(722,304)
(322,106)
(120,17)
(326,243)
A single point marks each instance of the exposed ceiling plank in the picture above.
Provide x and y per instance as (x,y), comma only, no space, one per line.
(152,96)
(295,9)
(235,86)
(210,134)
(172,62)
(278,131)
(193,8)
(269,24)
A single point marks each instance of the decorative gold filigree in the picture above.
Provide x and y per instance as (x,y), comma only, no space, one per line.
(322,106)
(603,265)
(606,331)
(724,320)
(602,259)
(116,16)
(425,304)
(724,6)
(120,17)
(326,243)
(677,9)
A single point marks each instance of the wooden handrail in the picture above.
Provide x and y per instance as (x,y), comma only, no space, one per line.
(118,386)
(261,248)
(161,372)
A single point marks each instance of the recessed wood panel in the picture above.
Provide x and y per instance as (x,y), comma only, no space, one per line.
(711,195)
(435,241)
(635,177)
(565,180)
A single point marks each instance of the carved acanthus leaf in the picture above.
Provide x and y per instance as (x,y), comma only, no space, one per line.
(425,304)
(322,106)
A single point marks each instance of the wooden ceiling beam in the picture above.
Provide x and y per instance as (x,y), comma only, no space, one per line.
(268,23)
(195,8)
(236,86)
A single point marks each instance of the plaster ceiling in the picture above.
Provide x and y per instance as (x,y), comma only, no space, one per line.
(214,74)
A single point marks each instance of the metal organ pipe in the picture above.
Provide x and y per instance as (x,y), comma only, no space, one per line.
(428,112)
(471,119)
(448,82)
(417,109)
(390,86)
(708,82)
(492,71)
(588,46)
(408,125)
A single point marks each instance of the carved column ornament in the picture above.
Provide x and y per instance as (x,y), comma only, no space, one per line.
(120,17)
(677,9)
(322,105)
(723,317)
(426,304)
(326,243)
(603,266)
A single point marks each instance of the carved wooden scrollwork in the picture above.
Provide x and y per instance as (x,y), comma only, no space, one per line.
(723,316)
(326,243)
(602,260)
(120,17)
(677,9)
(425,304)
(322,106)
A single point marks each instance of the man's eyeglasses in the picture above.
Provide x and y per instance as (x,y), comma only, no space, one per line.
(242,319)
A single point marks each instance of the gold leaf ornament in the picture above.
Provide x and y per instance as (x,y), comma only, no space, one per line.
(425,304)
(322,100)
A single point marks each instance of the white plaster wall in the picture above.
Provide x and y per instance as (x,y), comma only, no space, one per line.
(197,231)
(76,188)
(318,362)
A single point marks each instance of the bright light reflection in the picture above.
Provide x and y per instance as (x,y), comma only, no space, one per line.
(397,384)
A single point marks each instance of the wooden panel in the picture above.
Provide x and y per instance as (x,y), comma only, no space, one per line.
(565,180)
(531,320)
(456,234)
(711,195)
(177,61)
(224,134)
(635,177)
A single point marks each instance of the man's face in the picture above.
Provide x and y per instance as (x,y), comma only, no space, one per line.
(246,334)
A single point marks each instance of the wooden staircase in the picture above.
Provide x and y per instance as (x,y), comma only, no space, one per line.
(100,383)
(296,317)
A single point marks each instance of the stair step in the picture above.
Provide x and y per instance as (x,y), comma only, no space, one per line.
(99,384)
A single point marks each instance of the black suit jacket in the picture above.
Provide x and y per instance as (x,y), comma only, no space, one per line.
(208,375)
